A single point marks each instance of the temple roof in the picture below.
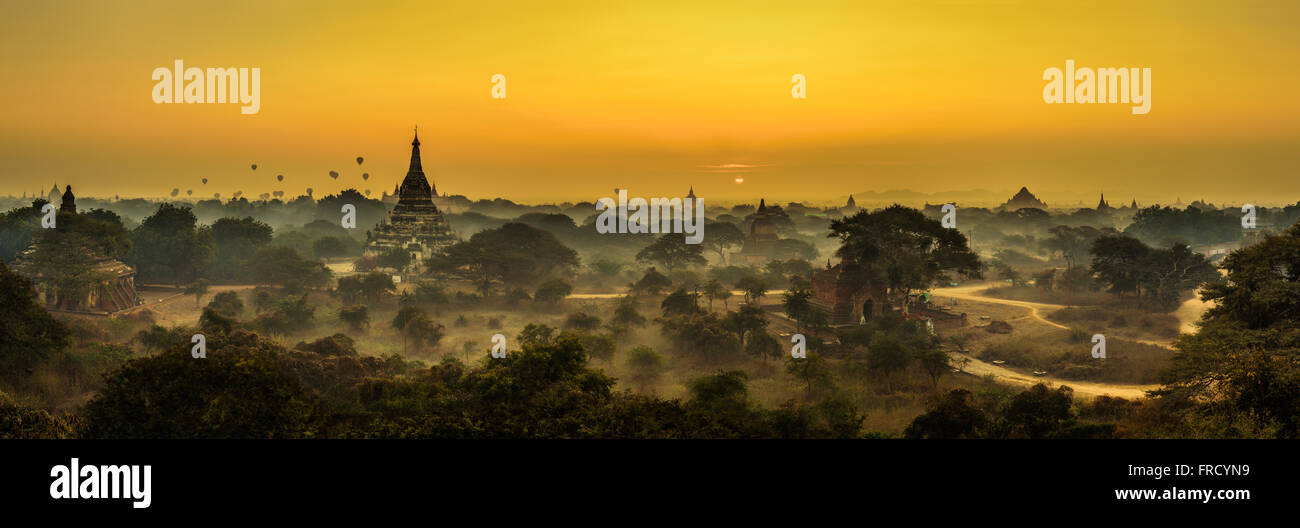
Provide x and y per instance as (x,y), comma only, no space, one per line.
(415,188)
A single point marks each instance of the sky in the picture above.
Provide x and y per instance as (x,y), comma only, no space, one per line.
(655,97)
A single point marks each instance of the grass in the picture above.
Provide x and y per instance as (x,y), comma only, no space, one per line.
(1039,295)
(1132,323)
(1126,361)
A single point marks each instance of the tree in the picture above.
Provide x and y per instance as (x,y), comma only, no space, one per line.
(720,237)
(798,306)
(811,370)
(375,285)
(168,246)
(1037,412)
(1239,374)
(19,421)
(1044,279)
(29,334)
(241,390)
(626,315)
(1159,276)
(227,303)
(356,317)
(747,319)
(597,346)
(349,289)
(234,242)
(552,292)
(646,366)
(61,264)
(705,336)
(1006,272)
(1116,260)
(513,255)
(286,268)
(651,283)
(197,289)
(1075,242)
(671,251)
(725,391)
(1167,273)
(714,290)
(605,269)
(900,248)
(935,362)
(535,334)
(1163,226)
(17,228)
(887,356)
(754,288)
(160,338)
(329,247)
(680,302)
(417,327)
(764,346)
(425,332)
(581,321)
(396,258)
(951,416)
(63,261)
(795,248)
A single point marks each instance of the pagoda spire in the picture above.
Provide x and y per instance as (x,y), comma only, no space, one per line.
(415,188)
(415,153)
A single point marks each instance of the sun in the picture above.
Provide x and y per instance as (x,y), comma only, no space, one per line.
(740,179)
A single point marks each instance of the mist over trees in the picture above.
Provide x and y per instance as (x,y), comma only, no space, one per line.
(603,325)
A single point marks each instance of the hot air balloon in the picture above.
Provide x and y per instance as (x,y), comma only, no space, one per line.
(367,192)
(334,174)
(360,159)
(216,195)
(254,166)
(175,192)
(264,196)
(237,194)
(309,191)
(365,175)
(279,177)
(205,181)
(189,192)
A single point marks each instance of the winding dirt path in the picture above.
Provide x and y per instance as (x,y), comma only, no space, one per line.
(1082,389)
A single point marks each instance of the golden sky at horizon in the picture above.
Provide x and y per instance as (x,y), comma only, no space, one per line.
(927,96)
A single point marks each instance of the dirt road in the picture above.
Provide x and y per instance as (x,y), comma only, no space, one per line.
(1082,389)
(973,293)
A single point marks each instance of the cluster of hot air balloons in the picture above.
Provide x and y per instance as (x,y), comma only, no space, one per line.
(278,178)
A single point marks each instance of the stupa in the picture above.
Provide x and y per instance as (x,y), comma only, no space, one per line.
(415,224)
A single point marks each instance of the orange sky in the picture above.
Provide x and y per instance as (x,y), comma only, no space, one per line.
(929,96)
